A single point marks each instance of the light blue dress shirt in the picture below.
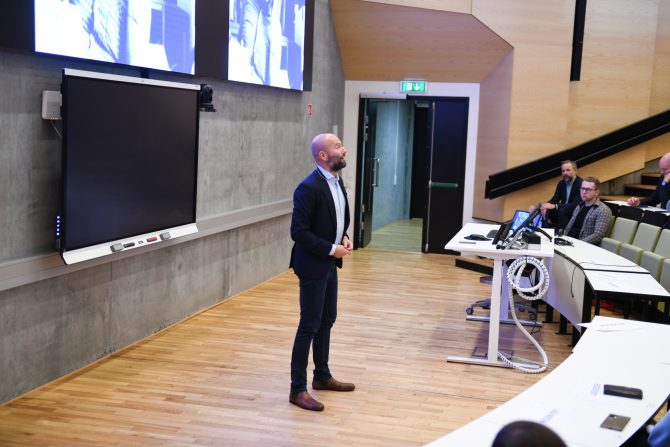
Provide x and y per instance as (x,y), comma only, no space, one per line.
(338,198)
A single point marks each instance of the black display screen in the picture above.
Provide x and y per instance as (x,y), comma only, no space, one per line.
(129,159)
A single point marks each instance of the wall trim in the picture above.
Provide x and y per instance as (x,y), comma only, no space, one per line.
(24,271)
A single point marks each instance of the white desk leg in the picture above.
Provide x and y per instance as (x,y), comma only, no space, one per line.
(504,294)
(505,315)
(494,322)
(494,325)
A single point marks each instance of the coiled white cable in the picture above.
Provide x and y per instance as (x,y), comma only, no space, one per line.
(536,292)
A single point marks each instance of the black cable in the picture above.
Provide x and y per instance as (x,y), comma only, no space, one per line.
(538,229)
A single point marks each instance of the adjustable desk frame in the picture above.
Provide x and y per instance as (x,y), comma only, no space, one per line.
(485,248)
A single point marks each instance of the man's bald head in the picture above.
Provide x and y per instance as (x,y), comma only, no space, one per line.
(319,143)
(328,152)
(664,164)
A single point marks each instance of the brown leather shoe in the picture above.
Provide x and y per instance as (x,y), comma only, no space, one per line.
(305,401)
(333,385)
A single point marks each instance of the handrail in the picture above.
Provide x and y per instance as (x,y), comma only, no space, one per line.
(536,171)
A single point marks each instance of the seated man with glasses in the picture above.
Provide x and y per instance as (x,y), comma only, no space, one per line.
(591,219)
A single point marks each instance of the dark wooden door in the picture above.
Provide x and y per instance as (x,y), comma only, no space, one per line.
(367,170)
(448,126)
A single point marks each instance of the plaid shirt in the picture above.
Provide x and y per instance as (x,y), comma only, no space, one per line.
(596,222)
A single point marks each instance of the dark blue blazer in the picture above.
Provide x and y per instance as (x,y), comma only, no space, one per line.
(567,204)
(314,226)
(660,195)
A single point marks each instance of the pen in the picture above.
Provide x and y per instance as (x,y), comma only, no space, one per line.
(466,242)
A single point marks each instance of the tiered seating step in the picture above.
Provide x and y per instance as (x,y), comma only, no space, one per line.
(639,189)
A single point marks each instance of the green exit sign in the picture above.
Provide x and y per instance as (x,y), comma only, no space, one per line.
(413,86)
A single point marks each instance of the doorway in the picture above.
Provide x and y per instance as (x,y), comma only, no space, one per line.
(410,167)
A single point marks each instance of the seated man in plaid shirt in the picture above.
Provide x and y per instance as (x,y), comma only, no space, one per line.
(591,219)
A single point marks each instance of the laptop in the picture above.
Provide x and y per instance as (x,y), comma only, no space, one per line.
(520,216)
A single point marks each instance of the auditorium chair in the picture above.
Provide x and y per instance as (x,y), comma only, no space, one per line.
(630,212)
(654,218)
(652,261)
(645,238)
(623,231)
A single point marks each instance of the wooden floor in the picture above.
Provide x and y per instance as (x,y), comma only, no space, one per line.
(404,235)
(221,378)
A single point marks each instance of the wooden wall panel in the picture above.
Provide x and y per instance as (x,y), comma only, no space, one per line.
(617,68)
(660,85)
(494,105)
(384,42)
(657,147)
(541,34)
(463,6)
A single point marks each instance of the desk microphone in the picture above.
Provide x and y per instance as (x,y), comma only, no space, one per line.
(561,241)
(538,229)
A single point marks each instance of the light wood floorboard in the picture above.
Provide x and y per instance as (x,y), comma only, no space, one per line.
(221,378)
(404,235)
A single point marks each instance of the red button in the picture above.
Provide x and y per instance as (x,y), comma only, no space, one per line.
(152,239)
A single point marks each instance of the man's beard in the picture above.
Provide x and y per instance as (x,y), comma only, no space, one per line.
(337,165)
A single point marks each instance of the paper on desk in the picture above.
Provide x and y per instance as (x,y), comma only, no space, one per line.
(625,339)
(608,324)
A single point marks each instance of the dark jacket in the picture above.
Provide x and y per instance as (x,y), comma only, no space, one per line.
(660,195)
(313,226)
(566,205)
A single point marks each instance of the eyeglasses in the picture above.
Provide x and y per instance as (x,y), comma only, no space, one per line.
(586,189)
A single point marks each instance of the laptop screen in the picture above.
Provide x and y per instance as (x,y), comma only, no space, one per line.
(520,217)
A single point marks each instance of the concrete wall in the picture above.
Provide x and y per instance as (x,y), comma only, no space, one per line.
(394,149)
(253,151)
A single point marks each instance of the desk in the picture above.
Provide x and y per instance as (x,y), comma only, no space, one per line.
(569,399)
(585,271)
(646,208)
(485,248)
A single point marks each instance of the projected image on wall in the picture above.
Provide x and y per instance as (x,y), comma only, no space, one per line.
(157,34)
(266,42)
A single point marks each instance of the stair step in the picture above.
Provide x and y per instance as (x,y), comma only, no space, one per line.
(639,189)
(650,178)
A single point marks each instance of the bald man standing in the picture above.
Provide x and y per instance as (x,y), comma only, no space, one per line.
(320,219)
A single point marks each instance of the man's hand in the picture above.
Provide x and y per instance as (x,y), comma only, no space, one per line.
(345,249)
(545,207)
(633,201)
(340,251)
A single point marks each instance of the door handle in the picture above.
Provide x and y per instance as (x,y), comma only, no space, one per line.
(446,185)
(375,175)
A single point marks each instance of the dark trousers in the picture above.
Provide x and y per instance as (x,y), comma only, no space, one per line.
(557,220)
(318,310)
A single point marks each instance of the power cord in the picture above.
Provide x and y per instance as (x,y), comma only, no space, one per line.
(536,292)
